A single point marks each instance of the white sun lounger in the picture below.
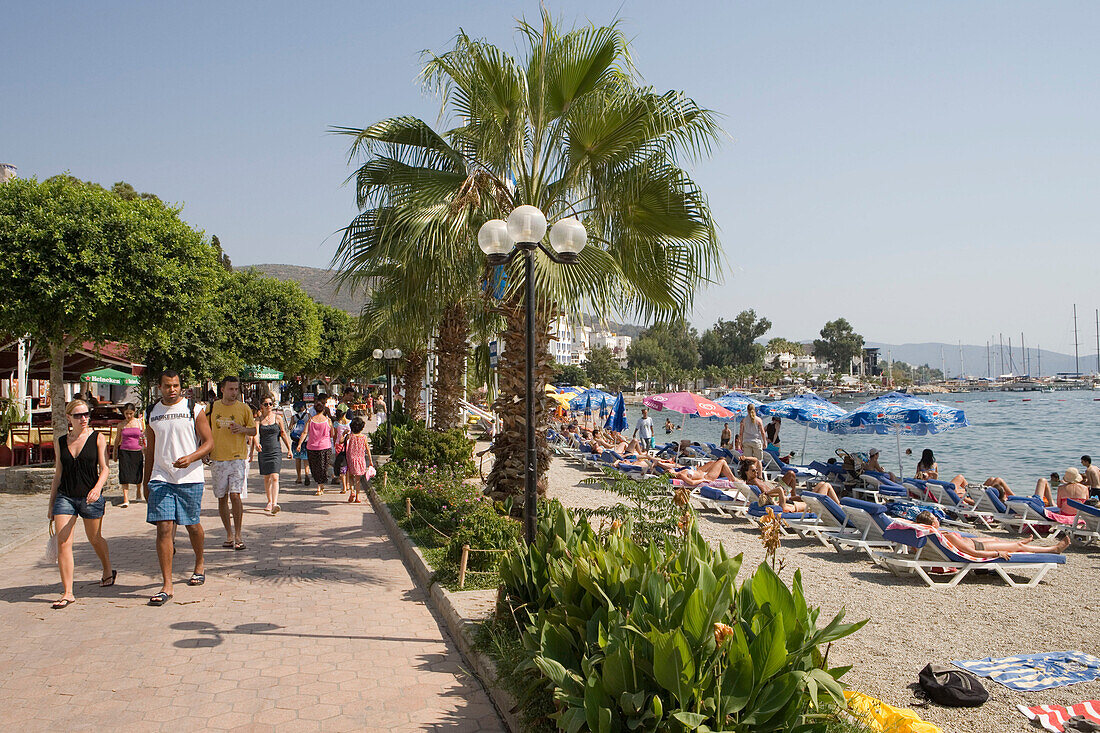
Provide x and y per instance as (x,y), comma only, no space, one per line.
(1087,529)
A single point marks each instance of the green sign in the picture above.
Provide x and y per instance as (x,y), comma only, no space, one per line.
(260,374)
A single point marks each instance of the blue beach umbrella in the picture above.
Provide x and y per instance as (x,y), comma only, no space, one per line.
(588,404)
(603,407)
(808,409)
(588,396)
(896,413)
(737,403)
(617,419)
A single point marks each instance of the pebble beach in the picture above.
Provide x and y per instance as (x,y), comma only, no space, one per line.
(911,625)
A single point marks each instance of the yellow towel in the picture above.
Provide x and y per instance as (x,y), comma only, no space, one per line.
(877,715)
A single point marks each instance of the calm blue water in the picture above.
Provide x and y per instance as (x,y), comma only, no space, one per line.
(1019,436)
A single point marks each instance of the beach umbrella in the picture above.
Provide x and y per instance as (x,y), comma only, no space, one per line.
(687,403)
(587,396)
(603,407)
(808,409)
(738,402)
(896,413)
(107,375)
(617,419)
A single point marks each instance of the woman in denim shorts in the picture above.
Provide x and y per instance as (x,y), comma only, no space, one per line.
(80,472)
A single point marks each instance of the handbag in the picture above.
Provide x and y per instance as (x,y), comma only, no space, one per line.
(371,472)
(51,546)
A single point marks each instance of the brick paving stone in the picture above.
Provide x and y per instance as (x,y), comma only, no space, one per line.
(316,626)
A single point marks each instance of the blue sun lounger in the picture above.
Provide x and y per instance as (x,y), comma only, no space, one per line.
(933,556)
(1087,528)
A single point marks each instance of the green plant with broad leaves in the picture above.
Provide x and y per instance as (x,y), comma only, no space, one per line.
(661,638)
(11,412)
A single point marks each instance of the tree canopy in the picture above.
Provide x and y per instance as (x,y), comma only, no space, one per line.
(733,343)
(838,345)
(89,264)
(664,347)
(780,345)
(603,368)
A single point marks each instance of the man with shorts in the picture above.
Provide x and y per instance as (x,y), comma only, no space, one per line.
(1092,476)
(645,427)
(175,443)
(231,425)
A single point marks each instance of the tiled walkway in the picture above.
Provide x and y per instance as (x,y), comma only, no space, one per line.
(315,626)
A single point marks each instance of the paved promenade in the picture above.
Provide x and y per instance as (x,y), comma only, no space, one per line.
(315,626)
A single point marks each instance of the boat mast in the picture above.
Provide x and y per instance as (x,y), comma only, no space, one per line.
(962,366)
(1076,352)
(1011,359)
(1022,355)
(1039,356)
(988,371)
(1098,341)
(1002,337)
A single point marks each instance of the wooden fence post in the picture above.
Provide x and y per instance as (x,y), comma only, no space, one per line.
(462,565)
(408,508)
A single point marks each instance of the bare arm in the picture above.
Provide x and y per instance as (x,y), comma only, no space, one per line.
(150,451)
(283,435)
(206,444)
(56,481)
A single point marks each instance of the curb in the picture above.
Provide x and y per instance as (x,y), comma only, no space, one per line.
(29,537)
(460,629)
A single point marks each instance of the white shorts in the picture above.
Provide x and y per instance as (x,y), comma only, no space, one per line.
(753,449)
(229,477)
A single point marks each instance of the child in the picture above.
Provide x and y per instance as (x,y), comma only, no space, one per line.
(359,460)
(340,465)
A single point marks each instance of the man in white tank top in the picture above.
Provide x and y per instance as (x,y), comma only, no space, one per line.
(175,443)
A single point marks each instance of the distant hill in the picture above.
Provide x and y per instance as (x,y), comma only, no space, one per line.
(317,283)
(975,363)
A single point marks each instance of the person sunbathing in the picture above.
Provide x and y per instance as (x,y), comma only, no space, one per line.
(716,469)
(1042,489)
(790,478)
(991,547)
(961,485)
(1072,487)
(752,473)
(873,464)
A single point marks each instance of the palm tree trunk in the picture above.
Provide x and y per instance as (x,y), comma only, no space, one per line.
(411,381)
(451,350)
(509,446)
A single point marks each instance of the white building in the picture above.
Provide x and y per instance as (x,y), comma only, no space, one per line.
(570,341)
(618,345)
(788,362)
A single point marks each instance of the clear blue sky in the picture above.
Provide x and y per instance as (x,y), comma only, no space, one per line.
(931,171)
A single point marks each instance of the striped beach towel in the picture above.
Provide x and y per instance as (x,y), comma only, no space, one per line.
(1054,717)
(1031,672)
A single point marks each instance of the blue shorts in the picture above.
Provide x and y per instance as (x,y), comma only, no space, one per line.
(80,507)
(179,503)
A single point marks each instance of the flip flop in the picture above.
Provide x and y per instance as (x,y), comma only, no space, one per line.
(62,603)
(124,506)
(228,544)
(160,599)
(238,546)
(108,582)
(196,579)
(276,510)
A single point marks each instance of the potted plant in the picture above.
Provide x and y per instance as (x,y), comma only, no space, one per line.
(10,412)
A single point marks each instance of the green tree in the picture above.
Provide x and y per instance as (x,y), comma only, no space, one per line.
(336,343)
(603,368)
(85,264)
(572,124)
(779,345)
(838,345)
(665,346)
(571,374)
(733,343)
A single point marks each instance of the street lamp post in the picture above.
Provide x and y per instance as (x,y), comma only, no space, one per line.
(501,242)
(390,356)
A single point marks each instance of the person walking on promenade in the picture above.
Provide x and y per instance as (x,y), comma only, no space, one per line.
(379,411)
(317,439)
(359,458)
(271,430)
(79,474)
(130,441)
(175,443)
(751,434)
(340,430)
(298,428)
(1092,476)
(231,425)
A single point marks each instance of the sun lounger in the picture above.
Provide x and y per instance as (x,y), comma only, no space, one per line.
(728,502)
(933,556)
(1088,527)
(829,519)
(866,521)
(879,488)
(1019,512)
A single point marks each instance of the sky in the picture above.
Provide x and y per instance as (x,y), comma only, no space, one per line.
(928,171)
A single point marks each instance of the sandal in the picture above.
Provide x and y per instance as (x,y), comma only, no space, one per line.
(276,509)
(357,501)
(62,603)
(160,599)
(228,544)
(196,579)
(238,546)
(125,505)
(351,498)
(108,582)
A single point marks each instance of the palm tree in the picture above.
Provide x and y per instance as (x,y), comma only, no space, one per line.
(570,129)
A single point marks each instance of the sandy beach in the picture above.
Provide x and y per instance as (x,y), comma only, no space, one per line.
(912,625)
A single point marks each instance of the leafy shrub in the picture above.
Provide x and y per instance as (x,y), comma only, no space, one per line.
(416,444)
(443,499)
(651,510)
(659,637)
(483,529)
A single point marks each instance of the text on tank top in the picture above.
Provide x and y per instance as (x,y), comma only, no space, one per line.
(173,428)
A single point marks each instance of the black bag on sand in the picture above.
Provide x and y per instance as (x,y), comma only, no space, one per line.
(955,688)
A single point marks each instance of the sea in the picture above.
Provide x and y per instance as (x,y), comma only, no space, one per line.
(1019,436)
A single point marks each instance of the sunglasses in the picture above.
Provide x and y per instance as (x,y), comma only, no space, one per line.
(78,415)
(268,404)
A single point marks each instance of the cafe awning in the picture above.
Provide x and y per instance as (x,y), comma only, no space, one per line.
(260,374)
(106,375)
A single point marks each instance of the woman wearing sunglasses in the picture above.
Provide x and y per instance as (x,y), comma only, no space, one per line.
(272,431)
(79,475)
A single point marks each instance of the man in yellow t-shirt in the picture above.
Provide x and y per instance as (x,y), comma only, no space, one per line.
(231,424)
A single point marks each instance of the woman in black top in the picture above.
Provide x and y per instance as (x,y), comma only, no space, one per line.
(79,474)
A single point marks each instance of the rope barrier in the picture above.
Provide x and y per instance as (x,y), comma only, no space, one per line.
(466,549)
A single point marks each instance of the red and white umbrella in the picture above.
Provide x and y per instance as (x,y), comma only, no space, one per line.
(687,403)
